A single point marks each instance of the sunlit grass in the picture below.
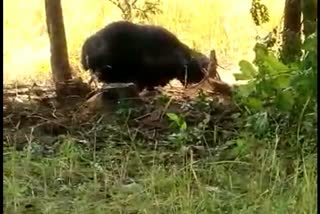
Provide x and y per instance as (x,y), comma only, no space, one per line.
(226,26)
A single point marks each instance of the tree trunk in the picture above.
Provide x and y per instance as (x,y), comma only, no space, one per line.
(291,49)
(309,11)
(58,46)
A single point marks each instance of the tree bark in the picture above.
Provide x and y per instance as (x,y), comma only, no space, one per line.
(60,66)
(291,49)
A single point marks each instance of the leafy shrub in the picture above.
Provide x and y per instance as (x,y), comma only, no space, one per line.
(287,91)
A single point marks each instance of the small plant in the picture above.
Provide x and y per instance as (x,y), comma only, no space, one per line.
(131,10)
(277,89)
(177,121)
(180,136)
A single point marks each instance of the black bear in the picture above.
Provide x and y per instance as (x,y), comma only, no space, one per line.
(146,55)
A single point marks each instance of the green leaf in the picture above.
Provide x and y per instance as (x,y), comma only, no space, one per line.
(274,65)
(285,100)
(245,90)
(261,50)
(178,121)
(281,82)
(241,148)
(174,117)
(266,58)
(254,103)
(265,88)
(240,77)
(247,69)
(183,126)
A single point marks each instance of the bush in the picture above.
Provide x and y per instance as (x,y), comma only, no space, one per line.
(285,93)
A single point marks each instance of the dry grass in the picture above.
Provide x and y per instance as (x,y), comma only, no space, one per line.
(204,24)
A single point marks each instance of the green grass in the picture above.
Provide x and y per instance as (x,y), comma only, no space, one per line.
(110,169)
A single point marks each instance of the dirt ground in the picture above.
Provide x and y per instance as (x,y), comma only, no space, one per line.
(36,109)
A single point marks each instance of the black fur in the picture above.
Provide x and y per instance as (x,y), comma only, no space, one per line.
(146,55)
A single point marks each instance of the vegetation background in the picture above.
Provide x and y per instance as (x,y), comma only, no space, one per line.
(259,158)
